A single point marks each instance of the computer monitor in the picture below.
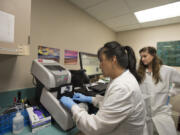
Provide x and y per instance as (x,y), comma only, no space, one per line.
(90,63)
(79,78)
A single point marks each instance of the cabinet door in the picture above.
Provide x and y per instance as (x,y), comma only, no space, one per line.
(21,9)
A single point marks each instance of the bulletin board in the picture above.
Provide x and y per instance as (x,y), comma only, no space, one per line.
(169,52)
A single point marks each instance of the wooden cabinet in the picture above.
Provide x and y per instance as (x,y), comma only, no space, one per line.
(21,9)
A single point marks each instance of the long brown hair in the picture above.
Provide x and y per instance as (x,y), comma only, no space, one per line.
(156,64)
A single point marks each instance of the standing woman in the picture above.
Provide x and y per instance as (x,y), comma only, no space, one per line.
(155,86)
(121,110)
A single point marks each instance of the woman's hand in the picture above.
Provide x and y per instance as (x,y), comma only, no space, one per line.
(82,98)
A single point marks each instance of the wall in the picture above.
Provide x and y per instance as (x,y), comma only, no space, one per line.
(54,23)
(149,37)
(59,24)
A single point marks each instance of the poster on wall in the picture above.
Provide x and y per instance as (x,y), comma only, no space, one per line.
(48,53)
(169,52)
(70,57)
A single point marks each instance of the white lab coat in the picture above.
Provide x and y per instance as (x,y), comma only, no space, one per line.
(121,110)
(156,98)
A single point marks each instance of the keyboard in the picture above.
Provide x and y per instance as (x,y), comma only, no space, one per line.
(99,87)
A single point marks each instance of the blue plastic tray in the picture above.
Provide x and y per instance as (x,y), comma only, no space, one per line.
(6,121)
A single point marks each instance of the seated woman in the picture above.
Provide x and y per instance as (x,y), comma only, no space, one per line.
(121,110)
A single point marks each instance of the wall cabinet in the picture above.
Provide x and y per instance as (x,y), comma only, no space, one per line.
(21,9)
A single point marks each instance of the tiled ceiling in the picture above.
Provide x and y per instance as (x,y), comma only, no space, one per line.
(119,14)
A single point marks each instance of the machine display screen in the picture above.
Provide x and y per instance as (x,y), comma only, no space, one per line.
(54,67)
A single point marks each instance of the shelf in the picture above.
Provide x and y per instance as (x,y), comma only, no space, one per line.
(13,49)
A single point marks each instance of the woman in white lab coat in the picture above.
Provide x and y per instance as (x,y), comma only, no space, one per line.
(121,110)
(155,86)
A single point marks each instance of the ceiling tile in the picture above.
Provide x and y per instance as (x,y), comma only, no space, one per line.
(119,14)
(126,19)
(164,1)
(85,3)
(108,9)
(137,5)
(127,27)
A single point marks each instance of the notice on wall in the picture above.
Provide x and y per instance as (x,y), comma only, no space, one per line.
(6,27)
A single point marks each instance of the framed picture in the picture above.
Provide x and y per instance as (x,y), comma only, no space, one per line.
(169,52)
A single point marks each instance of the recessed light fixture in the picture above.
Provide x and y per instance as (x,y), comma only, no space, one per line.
(158,13)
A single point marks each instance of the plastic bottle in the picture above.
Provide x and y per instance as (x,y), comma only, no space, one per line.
(18,123)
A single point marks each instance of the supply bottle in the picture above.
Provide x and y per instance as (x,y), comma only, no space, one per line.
(18,123)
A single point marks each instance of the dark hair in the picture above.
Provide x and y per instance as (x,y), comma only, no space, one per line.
(124,54)
(156,64)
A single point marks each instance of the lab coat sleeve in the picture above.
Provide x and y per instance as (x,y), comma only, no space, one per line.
(97,100)
(113,111)
(175,80)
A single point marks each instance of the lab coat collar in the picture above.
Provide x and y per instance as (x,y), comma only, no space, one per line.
(121,75)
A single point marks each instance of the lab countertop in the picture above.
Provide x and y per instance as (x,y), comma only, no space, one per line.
(54,129)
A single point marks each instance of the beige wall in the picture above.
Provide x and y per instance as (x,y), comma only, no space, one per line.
(149,37)
(57,24)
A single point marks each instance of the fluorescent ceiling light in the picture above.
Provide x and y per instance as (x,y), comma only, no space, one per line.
(158,13)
